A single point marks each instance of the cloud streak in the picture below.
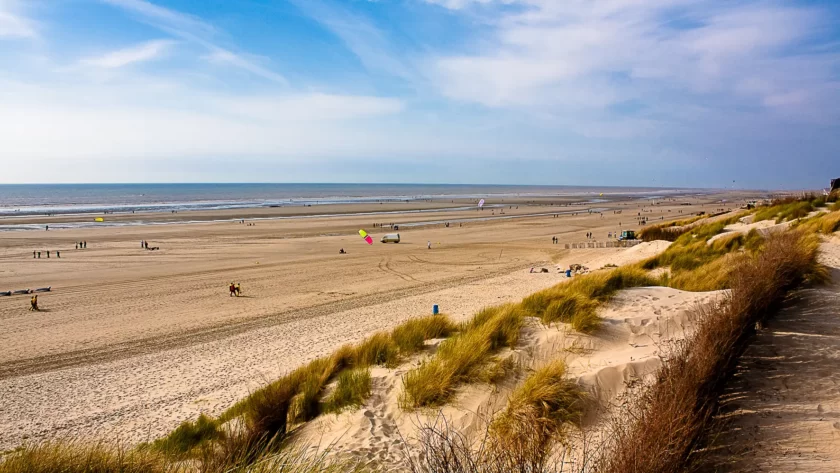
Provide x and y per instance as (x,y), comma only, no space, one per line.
(123,57)
(194,30)
(13,24)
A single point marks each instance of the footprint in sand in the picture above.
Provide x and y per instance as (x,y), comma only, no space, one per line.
(837,425)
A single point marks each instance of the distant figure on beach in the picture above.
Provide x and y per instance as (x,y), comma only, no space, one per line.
(39,255)
(33,254)
(85,244)
(33,303)
(429,245)
(77,245)
(342,252)
(48,228)
(58,254)
(48,253)
(238,290)
(142,243)
(232,289)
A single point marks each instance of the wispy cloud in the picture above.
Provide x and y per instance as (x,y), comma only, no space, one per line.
(362,37)
(13,24)
(223,56)
(546,54)
(123,57)
(194,30)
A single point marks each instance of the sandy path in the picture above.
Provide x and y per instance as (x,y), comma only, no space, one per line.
(784,404)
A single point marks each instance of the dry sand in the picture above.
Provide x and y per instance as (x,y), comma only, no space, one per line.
(783,408)
(132,342)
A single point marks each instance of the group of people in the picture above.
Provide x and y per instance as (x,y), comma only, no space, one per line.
(37,254)
(81,245)
(235,289)
(33,303)
(554,240)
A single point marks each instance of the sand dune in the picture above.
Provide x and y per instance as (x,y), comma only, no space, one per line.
(637,324)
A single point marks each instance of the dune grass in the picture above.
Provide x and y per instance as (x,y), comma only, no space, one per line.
(544,404)
(73,457)
(826,224)
(351,391)
(783,210)
(297,396)
(697,265)
(666,426)
(189,435)
(669,231)
(462,358)
(228,457)
(575,302)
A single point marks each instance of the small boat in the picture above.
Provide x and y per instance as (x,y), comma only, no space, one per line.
(7,293)
(22,291)
(43,289)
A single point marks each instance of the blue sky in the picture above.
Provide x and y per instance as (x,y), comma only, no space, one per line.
(579,92)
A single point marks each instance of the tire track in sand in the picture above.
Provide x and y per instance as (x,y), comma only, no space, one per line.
(143,346)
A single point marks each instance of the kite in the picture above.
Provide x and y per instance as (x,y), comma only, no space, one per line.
(367,237)
(481,203)
(99,219)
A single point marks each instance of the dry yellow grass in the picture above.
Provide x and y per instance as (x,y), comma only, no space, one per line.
(462,358)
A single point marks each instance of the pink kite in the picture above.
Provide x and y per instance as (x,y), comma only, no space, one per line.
(367,237)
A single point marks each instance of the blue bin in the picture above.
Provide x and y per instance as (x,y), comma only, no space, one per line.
(568,273)
(435,310)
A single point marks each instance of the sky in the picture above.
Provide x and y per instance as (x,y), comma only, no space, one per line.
(691,93)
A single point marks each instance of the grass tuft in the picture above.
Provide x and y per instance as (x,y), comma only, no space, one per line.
(461,359)
(545,403)
(189,435)
(576,301)
(352,390)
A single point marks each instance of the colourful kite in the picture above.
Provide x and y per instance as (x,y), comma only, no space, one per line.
(481,203)
(99,219)
(367,237)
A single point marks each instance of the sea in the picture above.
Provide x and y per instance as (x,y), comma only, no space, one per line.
(80,199)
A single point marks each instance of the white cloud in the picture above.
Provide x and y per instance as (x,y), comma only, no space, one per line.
(196,31)
(13,24)
(362,38)
(223,56)
(589,54)
(123,57)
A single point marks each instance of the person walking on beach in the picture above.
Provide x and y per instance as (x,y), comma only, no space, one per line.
(33,303)
(33,254)
(58,254)
(238,290)
(232,289)
(429,245)
(48,253)
(85,244)
(39,255)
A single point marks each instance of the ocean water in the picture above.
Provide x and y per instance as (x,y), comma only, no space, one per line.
(80,201)
(39,199)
